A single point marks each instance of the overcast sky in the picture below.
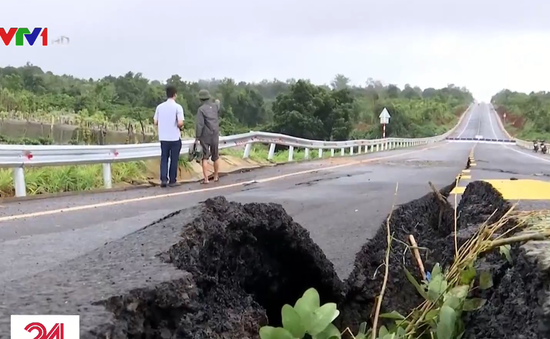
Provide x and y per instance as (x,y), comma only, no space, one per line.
(485,45)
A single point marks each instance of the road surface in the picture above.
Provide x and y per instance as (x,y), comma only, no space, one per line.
(341,202)
(519,174)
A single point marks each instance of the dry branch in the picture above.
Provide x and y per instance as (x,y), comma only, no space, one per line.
(416,254)
(387,268)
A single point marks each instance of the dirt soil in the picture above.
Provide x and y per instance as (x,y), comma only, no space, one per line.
(516,121)
(243,263)
(223,269)
(419,218)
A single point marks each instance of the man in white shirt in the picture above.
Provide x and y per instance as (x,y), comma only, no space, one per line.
(169,119)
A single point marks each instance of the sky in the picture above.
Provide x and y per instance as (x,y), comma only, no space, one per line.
(484,45)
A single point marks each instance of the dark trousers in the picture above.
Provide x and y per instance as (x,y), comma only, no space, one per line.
(169,150)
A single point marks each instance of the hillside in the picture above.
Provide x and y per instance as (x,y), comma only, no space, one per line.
(527,115)
(38,104)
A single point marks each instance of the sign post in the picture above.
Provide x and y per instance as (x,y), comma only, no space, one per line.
(504,117)
(384,120)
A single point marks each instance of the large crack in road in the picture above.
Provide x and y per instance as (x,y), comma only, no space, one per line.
(222,269)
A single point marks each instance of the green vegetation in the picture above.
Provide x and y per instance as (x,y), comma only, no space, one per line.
(126,104)
(24,141)
(446,293)
(71,178)
(259,152)
(527,115)
(306,317)
(300,108)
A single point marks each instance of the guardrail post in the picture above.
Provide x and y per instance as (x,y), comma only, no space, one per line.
(366,148)
(342,152)
(290,153)
(351,150)
(377,147)
(107,181)
(271,151)
(332,152)
(19,182)
(320,152)
(306,155)
(247,151)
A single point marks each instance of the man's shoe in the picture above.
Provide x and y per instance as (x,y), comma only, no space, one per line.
(173,184)
(162,184)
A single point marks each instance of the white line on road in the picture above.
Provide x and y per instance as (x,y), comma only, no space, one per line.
(169,195)
(467,123)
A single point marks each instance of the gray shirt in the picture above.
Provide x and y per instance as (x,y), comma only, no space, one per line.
(207,124)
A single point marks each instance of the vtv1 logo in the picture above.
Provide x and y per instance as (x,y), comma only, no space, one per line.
(23,32)
(45,327)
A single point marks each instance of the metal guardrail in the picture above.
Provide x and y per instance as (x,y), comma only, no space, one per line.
(18,157)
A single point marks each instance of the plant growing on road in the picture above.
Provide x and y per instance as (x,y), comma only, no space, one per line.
(307,317)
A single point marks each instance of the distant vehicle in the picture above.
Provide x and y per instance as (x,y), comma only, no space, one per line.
(535,146)
(543,148)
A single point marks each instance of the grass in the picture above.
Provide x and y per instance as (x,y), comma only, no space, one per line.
(259,153)
(42,180)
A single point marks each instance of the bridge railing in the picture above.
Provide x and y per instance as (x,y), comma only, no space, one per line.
(18,157)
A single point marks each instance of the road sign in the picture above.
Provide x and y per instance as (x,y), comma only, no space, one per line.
(384,117)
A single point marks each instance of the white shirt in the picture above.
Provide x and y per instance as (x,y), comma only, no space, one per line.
(168,114)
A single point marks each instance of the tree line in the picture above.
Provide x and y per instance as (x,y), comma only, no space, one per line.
(527,115)
(337,111)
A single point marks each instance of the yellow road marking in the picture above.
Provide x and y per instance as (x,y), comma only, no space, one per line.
(466,177)
(175,194)
(466,171)
(522,189)
(458,190)
(473,164)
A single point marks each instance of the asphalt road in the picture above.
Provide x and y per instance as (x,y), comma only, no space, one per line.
(521,175)
(341,201)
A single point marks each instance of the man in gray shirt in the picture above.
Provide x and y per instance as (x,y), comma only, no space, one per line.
(207,132)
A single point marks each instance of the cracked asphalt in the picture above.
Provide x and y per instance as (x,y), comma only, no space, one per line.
(342,202)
